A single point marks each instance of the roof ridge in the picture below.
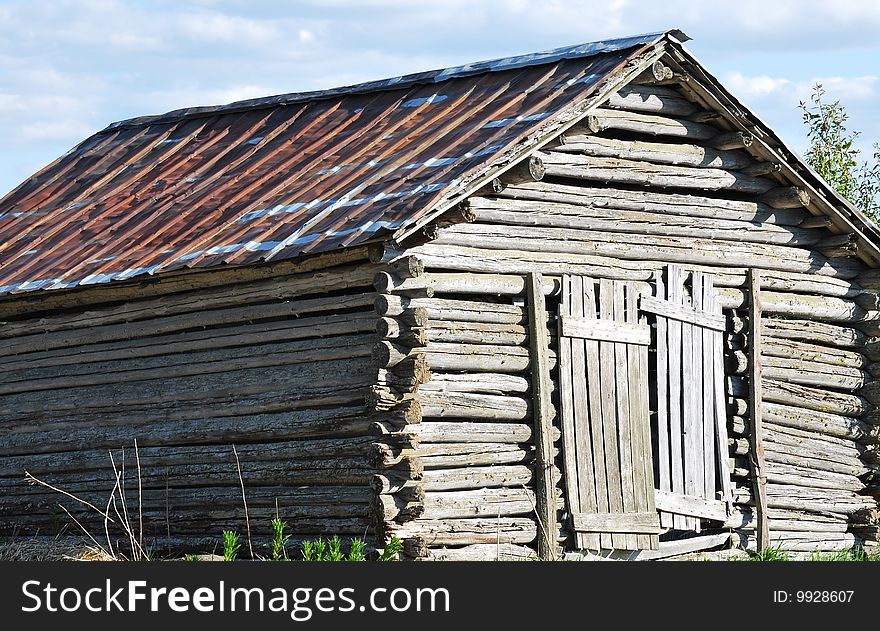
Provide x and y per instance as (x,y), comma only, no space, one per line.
(587,49)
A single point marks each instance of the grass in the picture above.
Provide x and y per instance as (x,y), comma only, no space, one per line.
(231,545)
(279,540)
(855,554)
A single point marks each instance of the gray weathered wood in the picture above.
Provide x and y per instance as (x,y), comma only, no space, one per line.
(539,344)
(619,523)
(605,331)
(756,453)
(691,505)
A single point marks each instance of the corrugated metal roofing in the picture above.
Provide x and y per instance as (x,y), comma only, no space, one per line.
(278,177)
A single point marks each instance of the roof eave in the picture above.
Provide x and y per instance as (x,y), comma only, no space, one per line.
(634,65)
(824,199)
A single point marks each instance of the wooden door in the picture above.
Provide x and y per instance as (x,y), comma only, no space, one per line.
(693,477)
(603,371)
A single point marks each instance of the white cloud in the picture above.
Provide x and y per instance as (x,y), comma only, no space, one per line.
(70,131)
(69,66)
(213,27)
(754,87)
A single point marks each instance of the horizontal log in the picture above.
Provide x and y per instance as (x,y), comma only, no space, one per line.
(743,518)
(489,383)
(182,365)
(484,552)
(651,99)
(790,541)
(501,502)
(455,532)
(807,331)
(636,247)
(267,388)
(474,406)
(436,455)
(32,338)
(221,456)
(461,431)
(822,422)
(786,197)
(478,333)
(452,310)
(612,120)
(655,152)
(310,500)
(446,283)
(209,430)
(201,340)
(392,329)
(842,448)
(566,215)
(479,357)
(732,140)
(497,476)
(798,305)
(811,455)
(177,283)
(811,478)
(220,298)
(664,203)
(791,497)
(796,350)
(510,262)
(619,171)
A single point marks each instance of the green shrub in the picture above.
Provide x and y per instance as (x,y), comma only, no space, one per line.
(231,545)
(279,540)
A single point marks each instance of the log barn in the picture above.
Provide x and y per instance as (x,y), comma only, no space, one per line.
(574,301)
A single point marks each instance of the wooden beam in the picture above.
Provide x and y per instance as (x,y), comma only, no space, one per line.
(539,344)
(629,523)
(691,506)
(756,453)
(605,330)
(700,318)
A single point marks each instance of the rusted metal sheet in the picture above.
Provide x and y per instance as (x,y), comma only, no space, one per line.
(278,177)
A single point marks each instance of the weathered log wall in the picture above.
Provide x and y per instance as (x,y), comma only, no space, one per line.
(641,184)
(279,365)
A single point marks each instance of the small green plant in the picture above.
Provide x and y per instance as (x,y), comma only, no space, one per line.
(231,544)
(191,557)
(835,157)
(392,549)
(279,540)
(854,554)
(331,550)
(770,554)
(357,550)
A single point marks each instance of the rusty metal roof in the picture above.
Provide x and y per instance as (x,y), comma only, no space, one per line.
(273,178)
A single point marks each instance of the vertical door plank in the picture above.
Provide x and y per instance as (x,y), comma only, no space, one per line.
(694,419)
(567,408)
(609,409)
(664,475)
(708,433)
(721,412)
(640,444)
(756,433)
(601,469)
(587,480)
(644,422)
(675,290)
(625,444)
(542,412)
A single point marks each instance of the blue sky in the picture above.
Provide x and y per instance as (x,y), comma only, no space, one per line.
(70,67)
